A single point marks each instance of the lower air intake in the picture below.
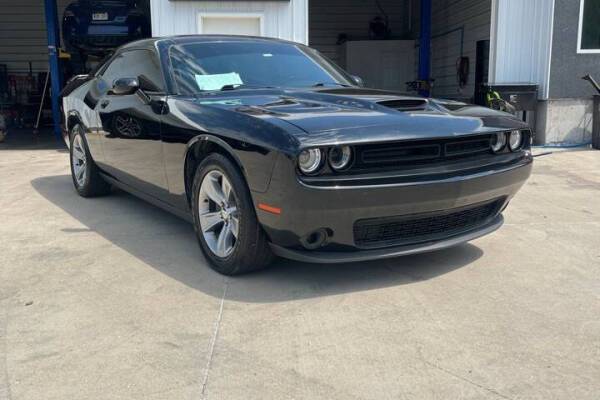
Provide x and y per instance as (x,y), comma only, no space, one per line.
(418,228)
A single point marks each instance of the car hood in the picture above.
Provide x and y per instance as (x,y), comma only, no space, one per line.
(344,115)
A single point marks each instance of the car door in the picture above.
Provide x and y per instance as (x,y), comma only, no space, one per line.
(131,123)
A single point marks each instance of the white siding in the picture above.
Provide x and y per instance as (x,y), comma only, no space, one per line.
(23,35)
(448,16)
(523,41)
(282,19)
(330,18)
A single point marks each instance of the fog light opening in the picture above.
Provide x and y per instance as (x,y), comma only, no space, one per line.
(316,239)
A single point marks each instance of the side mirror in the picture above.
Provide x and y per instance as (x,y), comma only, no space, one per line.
(358,80)
(124,86)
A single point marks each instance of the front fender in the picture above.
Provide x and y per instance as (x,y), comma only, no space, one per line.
(91,137)
(256,163)
(253,143)
(75,110)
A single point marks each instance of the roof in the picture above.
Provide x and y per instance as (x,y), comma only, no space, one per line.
(183,39)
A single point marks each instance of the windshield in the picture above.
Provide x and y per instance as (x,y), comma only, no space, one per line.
(199,67)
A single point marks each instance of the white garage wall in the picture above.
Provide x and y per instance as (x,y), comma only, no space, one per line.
(282,19)
(523,42)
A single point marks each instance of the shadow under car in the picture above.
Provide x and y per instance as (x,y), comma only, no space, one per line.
(168,244)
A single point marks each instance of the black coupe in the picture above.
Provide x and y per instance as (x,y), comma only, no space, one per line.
(270,149)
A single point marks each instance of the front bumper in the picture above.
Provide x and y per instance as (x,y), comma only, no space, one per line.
(334,257)
(305,209)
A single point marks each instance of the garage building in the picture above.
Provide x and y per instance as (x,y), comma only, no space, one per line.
(471,41)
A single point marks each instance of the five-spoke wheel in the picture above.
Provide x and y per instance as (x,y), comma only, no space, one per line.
(218,213)
(78,160)
(225,220)
(85,173)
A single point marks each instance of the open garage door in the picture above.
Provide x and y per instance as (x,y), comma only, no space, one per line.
(379,41)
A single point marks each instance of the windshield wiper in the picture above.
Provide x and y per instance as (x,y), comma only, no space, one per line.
(243,86)
(321,84)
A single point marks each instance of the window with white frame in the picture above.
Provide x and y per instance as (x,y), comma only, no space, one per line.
(230,24)
(589,27)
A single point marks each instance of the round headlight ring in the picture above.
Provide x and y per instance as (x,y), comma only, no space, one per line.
(515,141)
(340,157)
(309,161)
(498,142)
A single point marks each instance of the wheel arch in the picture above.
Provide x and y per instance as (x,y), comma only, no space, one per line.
(198,149)
(73,118)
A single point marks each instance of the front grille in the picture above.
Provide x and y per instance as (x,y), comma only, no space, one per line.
(412,229)
(467,147)
(422,151)
(393,154)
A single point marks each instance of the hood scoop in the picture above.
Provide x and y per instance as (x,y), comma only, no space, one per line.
(405,105)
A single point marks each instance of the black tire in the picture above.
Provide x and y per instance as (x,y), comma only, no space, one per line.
(92,184)
(251,250)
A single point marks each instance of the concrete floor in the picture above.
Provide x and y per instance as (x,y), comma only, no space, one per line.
(111,298)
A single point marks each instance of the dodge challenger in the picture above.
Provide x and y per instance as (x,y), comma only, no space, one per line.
(269,149)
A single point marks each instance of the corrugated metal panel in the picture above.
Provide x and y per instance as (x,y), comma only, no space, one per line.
(23,35)
(448,18)
(284,20)
(329,18)
(523,41)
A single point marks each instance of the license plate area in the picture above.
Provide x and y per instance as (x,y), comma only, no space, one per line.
(102,16)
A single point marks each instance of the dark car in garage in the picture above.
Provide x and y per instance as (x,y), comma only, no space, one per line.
(94,27)
(270,149)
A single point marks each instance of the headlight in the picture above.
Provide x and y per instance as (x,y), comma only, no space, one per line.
(339,157)
(309,161)
(515,141)
(498,142)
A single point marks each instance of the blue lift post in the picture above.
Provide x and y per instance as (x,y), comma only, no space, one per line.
(425,45)
(54,70)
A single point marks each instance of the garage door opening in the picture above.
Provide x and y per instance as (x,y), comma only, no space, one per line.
(378,40)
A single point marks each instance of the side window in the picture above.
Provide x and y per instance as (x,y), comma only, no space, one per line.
(113,71)
(141,64)
(109,73)
(144,65)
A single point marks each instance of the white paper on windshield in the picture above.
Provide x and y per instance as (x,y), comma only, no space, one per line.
(217,81)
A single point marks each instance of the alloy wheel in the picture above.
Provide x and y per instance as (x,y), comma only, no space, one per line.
(218,213)
(79,160)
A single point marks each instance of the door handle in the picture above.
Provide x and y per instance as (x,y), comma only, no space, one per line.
(104,103)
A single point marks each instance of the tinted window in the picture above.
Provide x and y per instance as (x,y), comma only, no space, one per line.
(114,70)
(141,64)
(590,29)
(205,66)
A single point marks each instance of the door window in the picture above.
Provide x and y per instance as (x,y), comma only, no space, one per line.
(141,64)
(112,71)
